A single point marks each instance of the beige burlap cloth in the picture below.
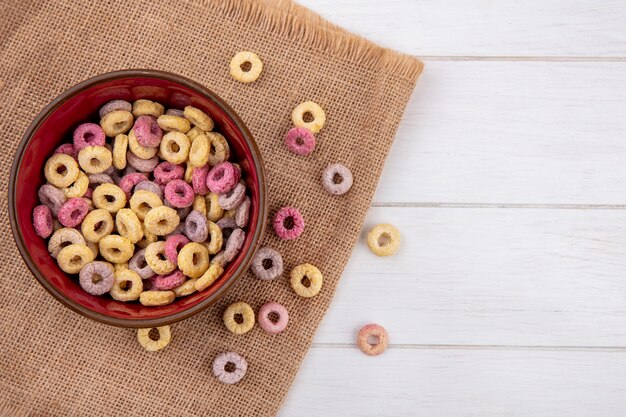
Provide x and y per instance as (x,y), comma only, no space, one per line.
(54,362)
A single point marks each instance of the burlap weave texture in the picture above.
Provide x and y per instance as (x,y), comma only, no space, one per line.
(53,362)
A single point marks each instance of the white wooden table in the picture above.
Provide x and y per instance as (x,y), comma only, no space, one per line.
(508,182)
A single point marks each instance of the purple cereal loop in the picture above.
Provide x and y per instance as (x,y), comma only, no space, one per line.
(173,245)
(179,193)
(138,264)
(128,170)
(114,105)
(198,180)
(67,149)
(97,179)
(167,282)
(51,196)
(88,134)
(267,324)
(128,182)
(242,214)
(223,364)
(233,198)
(97,277)
(141,165)
(196,227)
(150,186)
(337,179)
(227,225)
(147,131)
(110,171)
(175,112)
(300,141)
(288,223)
(234,244)
(42,221)
(222,178)
(73,212)
(166,172)
(267,264)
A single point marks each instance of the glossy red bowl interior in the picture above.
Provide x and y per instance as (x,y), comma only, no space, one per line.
(55,124)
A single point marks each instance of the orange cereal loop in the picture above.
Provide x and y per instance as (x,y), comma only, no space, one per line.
(309,115)
(384,240)
(61,170)
(199,118)
(246,67)
(147,108)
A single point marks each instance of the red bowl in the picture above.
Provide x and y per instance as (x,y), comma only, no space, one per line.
(55,124)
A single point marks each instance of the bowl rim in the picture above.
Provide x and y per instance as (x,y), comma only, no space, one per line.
(69,302)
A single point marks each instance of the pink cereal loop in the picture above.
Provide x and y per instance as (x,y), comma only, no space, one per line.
(167,282)
(300,141)
(88,134)
(173,245)
(67,149)
(223,177)
(376,331)
(179,193)
(128,181)
(73,211)
(288,223)
(42,221)
(147,131)
(166,172)
(198,180)
(267,324)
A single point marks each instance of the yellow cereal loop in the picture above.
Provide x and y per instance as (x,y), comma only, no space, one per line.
(219,151)
(127,286)
(157,298)
(73,257)
(79,187)
(199,151)
(95,159)
(213,209)
(384,240)
(239,318)
(136,148)
(199,204)
(161,220)
(216,239)
(187,288)
(96,225)
(120,147)
(116,122)
(61,170)
(193,260)
(188,174)
(193,132)
(171,123)
(63,237)
(199,118)
(120,267)
(128,225)
(309,115)
(148,238)
(155,338)
(156,260)
(142,201)
(147,108)
(116,249)
(95,249)
(109,197)
(230,213)
(246,67)
(209,277)
(306,280)
(174,147)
